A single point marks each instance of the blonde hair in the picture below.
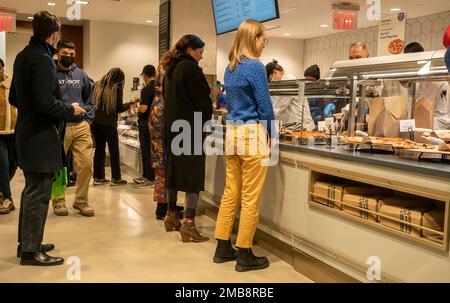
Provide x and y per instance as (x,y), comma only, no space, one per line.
(107,89)
(244,44)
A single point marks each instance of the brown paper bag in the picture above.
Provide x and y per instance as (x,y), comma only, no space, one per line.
(330,191)
(435,220)
(367,191)
(385,115)
(366,202)
(424,116)
(404,209)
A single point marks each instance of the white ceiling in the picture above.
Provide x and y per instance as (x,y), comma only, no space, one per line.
(300,18)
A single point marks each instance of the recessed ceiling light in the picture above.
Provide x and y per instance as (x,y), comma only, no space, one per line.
(51,3)
(324,25)
(82,2)
(287,34)
(30,18)
(149,21)
(395,9)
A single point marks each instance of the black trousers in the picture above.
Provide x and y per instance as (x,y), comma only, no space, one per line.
(33,209)
(8,164)
(106,134)
(145,141)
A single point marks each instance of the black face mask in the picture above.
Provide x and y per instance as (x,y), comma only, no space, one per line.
(66,61)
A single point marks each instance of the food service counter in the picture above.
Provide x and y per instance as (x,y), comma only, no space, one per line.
(331,235)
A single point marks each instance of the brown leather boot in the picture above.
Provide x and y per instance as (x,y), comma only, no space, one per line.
(171,221)
(190,233)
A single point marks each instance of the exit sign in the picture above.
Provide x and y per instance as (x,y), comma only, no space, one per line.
(345,20)
(7,21)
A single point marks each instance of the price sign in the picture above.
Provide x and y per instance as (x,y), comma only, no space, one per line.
(407,125)
(345,20)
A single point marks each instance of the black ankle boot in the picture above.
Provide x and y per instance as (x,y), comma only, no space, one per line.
(225,252)
(161,211)
(247,261)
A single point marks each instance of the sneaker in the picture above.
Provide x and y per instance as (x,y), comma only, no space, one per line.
(118,182)
(85,209)
(146,184)
(100,182)
(6,206)
(140,180)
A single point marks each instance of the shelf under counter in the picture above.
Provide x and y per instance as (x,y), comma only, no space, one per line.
(424,167)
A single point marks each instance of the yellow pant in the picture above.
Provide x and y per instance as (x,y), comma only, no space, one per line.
(79,139)
(244,183)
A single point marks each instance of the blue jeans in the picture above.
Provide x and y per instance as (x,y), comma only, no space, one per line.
(8,164)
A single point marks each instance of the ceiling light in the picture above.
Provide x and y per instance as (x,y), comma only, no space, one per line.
(395,9)
(287,34)
(51,3)
(149,21)
(30,18)
(324,25)
(82,2)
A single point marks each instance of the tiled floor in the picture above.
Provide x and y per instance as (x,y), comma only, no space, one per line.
(125,243)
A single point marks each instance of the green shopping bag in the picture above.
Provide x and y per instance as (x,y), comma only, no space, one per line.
(59,183)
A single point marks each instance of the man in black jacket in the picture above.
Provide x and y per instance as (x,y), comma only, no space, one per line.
(39,135)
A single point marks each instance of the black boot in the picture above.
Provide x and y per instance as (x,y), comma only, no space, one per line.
(247,261)
(225,252)
(161,211)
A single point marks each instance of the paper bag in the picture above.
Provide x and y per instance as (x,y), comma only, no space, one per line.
(424,116)
(366,202)
(434,220)
(385,115)
(323,190)
(404,209)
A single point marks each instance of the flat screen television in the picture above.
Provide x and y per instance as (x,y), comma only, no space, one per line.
(229,14)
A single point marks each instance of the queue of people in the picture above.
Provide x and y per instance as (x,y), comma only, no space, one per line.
(58,105)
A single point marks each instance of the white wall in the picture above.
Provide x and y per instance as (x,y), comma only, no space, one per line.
(128,46)
(288,52)
(15,43)
(324,51)
(3,46)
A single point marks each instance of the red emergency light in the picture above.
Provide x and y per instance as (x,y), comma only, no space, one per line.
(345,20)
(6,23)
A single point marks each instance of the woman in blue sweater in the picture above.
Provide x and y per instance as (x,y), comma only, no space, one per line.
(250,116)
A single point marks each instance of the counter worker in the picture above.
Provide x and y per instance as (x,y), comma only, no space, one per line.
(288,109)
(316,107)
(434,91)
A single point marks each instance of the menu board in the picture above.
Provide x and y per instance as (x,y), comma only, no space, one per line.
(164,28)
(229,14)
(391,34)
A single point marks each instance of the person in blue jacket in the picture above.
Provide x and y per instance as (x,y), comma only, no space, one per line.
(75,86)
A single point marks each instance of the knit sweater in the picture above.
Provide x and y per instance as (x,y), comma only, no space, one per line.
(248,93)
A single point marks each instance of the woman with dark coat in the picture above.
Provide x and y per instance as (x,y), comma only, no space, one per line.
(186,99)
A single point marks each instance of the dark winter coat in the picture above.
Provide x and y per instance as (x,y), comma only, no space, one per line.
(186,91)
(40,123)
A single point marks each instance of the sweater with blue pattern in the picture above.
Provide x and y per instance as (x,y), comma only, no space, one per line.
(248,94)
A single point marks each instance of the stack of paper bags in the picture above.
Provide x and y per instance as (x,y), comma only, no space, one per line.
(434,220)
(405,209)
(363,197)
(328,194)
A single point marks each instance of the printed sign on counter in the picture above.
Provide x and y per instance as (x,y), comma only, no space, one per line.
(391,34)
(407,125)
